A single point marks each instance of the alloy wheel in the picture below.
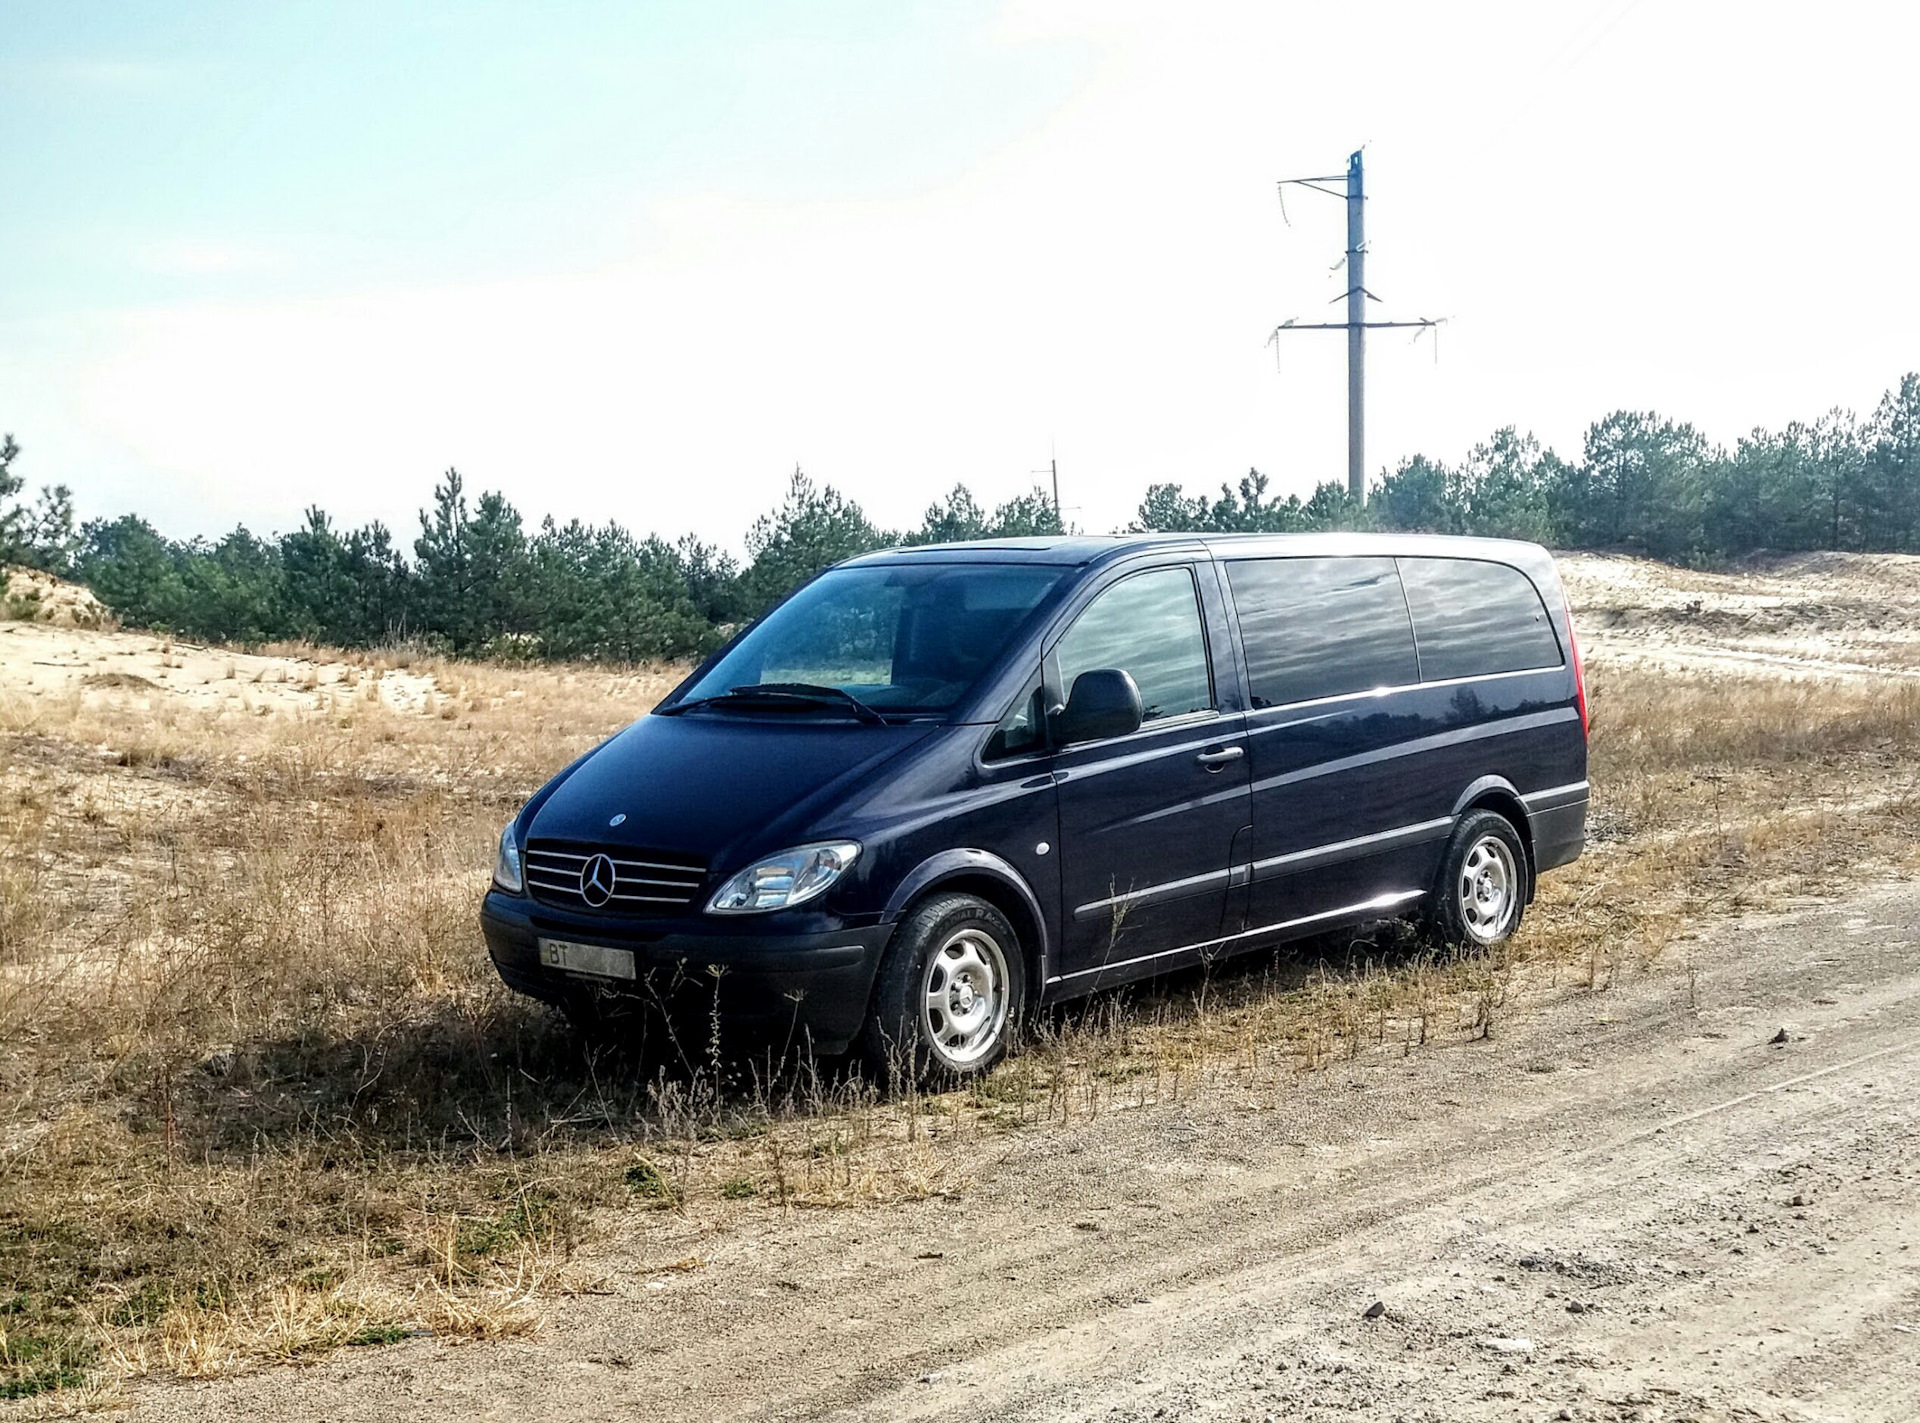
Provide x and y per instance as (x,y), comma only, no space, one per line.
(964,997)
(1489,889)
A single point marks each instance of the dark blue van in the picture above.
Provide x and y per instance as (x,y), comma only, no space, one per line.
(937,787)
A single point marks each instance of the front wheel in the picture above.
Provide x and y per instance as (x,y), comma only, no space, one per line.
(950,995)
(1482,891)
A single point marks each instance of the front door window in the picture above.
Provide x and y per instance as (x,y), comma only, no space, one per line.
(1148,626)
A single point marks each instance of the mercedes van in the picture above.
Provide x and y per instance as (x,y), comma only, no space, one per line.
(936,788)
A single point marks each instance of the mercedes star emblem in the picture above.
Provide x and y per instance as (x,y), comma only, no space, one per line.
(596,881)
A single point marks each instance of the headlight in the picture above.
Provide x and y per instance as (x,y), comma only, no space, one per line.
(784,880)
(506,865)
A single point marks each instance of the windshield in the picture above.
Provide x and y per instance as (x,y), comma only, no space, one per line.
(912,637)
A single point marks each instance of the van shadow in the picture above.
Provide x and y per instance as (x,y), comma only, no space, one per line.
(500,1074)
(496,1072)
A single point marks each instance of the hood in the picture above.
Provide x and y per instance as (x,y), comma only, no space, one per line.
(719,786)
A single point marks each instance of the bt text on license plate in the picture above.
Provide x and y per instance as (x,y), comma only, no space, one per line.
(587,958)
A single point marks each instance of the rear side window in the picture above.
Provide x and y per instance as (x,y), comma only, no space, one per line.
(1474,619)
(1321,627)
(1148,626)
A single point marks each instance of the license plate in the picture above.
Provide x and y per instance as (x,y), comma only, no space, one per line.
(587,958)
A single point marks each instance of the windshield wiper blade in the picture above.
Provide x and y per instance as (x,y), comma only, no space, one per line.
(782,694)
(807,691)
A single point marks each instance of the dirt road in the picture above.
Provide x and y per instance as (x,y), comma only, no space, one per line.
(1630,1203)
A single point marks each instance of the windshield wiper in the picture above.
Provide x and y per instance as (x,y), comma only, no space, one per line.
(809,692)
(783,694)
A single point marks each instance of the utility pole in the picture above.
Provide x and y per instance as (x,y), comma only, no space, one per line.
(1356,331)
(1053,468)
(1356,325)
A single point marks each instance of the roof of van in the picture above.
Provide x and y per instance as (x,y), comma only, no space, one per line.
(1080,549)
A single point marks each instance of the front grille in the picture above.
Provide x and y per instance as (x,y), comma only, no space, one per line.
(644,881)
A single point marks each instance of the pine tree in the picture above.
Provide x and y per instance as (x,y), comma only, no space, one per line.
(712,579)
(1421,496)
(814,528)
(50,538)
(956,519)
(1893,474)
(131,569)
(472,568)
(444,564)
(11,519)
(1505,482)
(1641,486)
(318,584)
(1025,516)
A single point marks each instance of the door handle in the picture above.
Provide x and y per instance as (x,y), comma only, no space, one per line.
(1214,760)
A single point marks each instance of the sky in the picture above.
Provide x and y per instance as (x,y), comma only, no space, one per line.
(639,261)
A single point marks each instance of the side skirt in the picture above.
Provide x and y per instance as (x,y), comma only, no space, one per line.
(1089,980)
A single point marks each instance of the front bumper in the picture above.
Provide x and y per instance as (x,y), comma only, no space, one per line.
(786,990)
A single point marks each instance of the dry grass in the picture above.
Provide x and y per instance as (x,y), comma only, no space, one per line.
(262,1098)
(257,1084)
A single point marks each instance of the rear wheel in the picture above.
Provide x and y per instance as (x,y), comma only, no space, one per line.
(1482,892)
(950,995)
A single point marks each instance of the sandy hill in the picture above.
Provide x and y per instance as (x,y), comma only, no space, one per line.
(57,638)
(33,596)
(1808,615)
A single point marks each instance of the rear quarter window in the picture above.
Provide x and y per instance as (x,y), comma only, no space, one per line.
(1476,619)
(1321,627)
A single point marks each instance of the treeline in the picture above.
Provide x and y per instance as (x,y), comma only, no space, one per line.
(1642,484)
(1648,485)
(477,581)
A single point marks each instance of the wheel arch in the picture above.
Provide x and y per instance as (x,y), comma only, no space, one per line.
(987,875)
(1497,793)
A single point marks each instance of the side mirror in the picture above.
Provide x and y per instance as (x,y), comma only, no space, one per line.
(1103,703)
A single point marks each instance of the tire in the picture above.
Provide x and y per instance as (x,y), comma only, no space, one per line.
(950,996)
(1481,894)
